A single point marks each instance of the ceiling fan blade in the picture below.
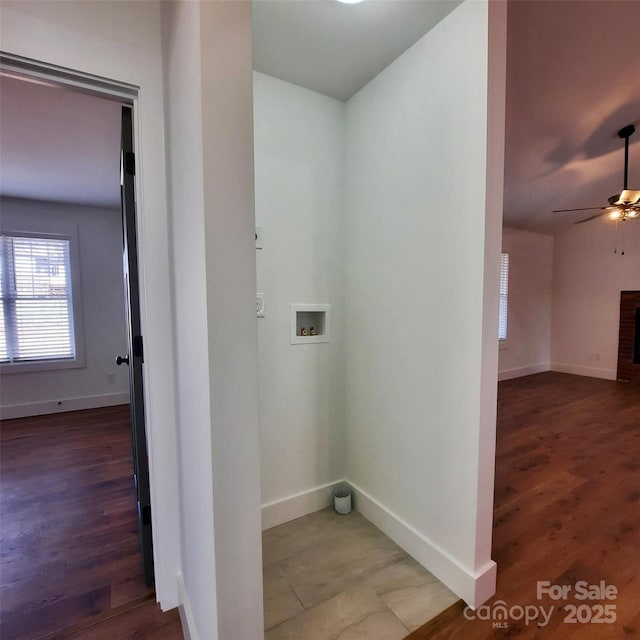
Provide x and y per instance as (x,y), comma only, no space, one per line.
(589,218)
(629,196)
(583,209)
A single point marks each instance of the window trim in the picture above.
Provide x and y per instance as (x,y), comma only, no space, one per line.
(62,232)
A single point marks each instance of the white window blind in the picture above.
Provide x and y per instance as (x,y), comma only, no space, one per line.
(4,353)
(37,309)
(504,296)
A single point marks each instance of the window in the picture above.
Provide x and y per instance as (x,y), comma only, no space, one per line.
(37,320)
(504,296)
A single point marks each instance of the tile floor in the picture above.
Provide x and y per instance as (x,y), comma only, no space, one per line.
(332,577)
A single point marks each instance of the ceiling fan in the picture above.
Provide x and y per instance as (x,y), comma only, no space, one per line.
(624,205)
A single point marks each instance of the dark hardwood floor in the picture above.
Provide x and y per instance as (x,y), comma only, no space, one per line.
(567,506)
(70,558)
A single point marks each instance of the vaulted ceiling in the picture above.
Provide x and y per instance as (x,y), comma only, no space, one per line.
(336,48)
(573,81)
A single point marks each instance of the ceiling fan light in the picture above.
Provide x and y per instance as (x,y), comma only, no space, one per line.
(629,196)
(615,214)
(633,213)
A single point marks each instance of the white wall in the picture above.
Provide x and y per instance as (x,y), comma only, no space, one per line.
(587,280)
(300,176)
(421,348)
(99,233)
(231,297)
(184,168)
(122,41)
(527,348)
(207,48)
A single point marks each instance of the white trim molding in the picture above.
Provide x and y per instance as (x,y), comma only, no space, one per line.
(579,370)
(7,412)
(519,372)
(298,505)
(184,609)
(474,588)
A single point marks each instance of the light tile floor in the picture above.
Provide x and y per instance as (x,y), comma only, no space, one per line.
(333,577)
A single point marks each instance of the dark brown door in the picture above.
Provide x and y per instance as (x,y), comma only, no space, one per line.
(135,358)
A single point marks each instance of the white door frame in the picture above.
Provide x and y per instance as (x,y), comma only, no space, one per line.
(163,477)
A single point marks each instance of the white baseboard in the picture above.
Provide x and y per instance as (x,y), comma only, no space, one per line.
(579,370)
(7,412)
(298,505)
(519,372)
(474,589)
(186,613)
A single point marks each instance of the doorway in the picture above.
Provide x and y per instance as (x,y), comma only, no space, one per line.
(75,463)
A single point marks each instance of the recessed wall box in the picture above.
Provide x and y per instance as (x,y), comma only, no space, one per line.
(310,323)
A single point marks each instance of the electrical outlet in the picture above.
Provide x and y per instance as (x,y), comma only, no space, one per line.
(260,305)
(111,378)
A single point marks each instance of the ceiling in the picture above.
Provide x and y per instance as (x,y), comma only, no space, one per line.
(571,85)
(336,48)
(58,145)
(573,81)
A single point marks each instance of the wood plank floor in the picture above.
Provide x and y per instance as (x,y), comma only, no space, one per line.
(567,506)
(70,558)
